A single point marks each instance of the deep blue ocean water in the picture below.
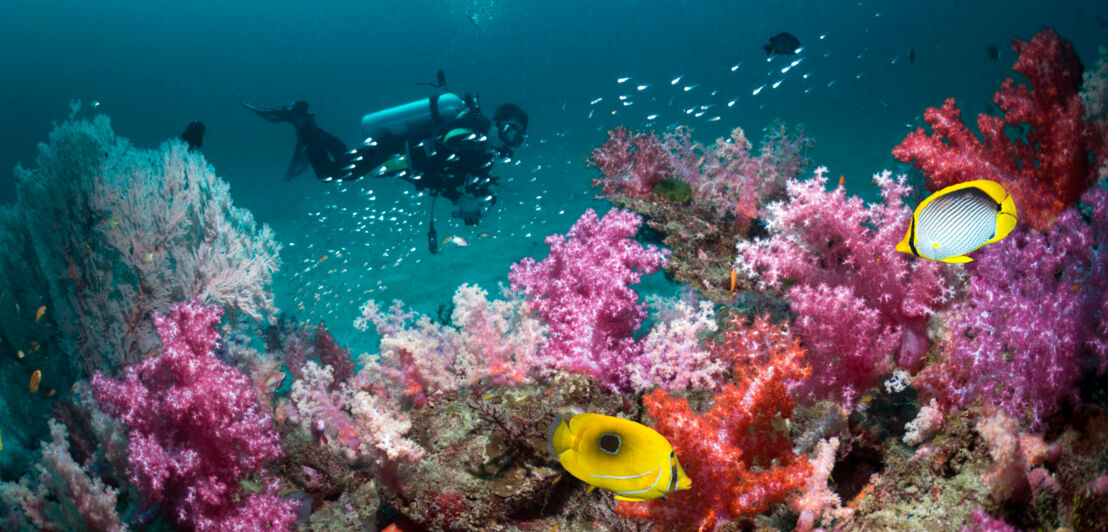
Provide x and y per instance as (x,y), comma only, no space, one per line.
(155,66)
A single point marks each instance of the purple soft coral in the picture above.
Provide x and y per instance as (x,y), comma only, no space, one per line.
(1029,325)
(196,429)
(857,300)
(582,292)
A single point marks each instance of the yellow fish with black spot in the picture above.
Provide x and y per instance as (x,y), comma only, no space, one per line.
(619,455)
(958,220)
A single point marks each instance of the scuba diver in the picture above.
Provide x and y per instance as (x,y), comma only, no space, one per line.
(440,144)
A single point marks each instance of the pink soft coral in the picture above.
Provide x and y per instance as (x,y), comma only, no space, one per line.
(582,292)
(1034,319)
(196,429)
(631,163)
(856,298)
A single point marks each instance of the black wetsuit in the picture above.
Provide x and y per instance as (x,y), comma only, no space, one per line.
(324,151)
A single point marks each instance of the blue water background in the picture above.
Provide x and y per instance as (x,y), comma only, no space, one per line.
(155,66)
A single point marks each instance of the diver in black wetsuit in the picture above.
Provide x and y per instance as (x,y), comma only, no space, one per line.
(440,144)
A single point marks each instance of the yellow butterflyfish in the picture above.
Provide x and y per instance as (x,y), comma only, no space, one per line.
(629,459)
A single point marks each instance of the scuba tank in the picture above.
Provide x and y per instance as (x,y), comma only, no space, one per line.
(414,120)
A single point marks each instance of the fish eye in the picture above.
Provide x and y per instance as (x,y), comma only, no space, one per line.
(609,443)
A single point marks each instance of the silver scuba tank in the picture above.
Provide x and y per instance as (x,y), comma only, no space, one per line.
(414,119)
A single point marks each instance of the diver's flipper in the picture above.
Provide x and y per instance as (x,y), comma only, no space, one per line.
(299,161)
(279,114)
(440,81)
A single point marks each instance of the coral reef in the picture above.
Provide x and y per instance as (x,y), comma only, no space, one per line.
(1045,172)
(763,375)
(581,291)
(61,495)
(700,198)
(1034,308)
(196,430)
(860,305)
(738,455)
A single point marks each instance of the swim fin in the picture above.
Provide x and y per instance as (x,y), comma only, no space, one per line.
(299,161)
(279,114)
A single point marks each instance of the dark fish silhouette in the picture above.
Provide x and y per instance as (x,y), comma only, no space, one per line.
(911,56)
(993,51)
(782,44)
(193,135)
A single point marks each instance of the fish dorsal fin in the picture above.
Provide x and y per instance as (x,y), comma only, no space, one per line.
(992,188)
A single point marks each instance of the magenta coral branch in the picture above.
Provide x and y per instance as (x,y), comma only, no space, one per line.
(196,429)
(1029,324)
(857,299)
(582,292)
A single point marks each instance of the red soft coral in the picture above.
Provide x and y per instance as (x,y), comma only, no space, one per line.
(738,455)
(1045,170)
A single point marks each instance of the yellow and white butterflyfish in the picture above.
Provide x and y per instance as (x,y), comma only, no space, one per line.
(629,459)
(958,220)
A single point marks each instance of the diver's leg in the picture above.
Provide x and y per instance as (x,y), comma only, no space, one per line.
(325,152)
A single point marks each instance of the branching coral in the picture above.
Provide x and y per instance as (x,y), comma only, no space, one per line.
(582,292)
(1033,320)
(738,453)
(121,232)
(858,301)
(491,342)
(1040,150)
(726,186)
(196,430)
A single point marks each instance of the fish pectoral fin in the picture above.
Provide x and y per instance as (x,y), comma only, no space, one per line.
(628,499)
(570,460)
(588,491)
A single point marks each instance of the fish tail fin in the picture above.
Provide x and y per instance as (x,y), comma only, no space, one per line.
(685,482)
(1005,219)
